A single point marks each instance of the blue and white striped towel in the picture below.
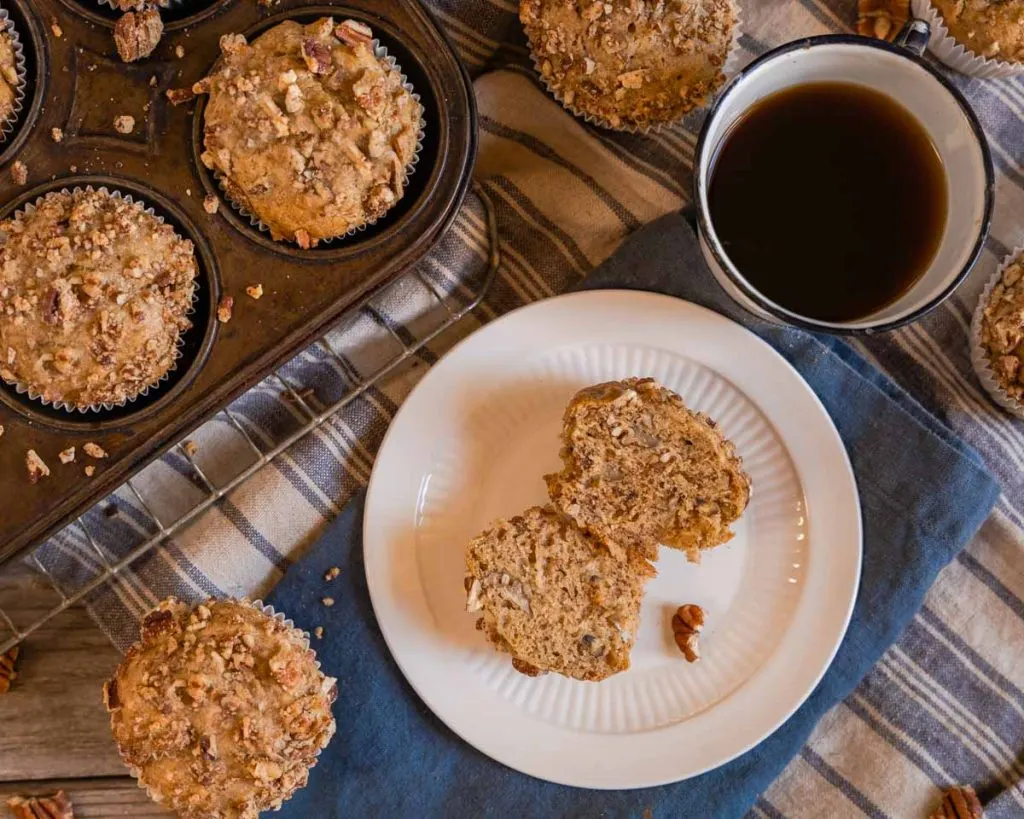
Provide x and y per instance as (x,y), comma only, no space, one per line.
(565,195)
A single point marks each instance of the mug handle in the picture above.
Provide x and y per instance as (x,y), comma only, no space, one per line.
(914,35)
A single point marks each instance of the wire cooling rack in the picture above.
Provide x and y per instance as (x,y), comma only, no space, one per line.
(452,307)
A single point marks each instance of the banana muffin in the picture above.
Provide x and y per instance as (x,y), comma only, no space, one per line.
(95,293)
(9,79)
(553,597)
(994,30)
(220,710)
(1002,329)
(640,469)
(308,129)
(631,63)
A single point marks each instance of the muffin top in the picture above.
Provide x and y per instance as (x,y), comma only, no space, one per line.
(631,63)
(9,80)
(94,292)
(309,130)
(989,29)
(1002,329)
(220,710)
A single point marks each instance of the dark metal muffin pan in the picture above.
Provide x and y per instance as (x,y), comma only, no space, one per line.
(79,85)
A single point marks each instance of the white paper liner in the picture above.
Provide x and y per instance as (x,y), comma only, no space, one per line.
(381,53)
(979,356)
(136,773)
(953,53)
(160,4)
(730,68)
(23,389)
(7,126)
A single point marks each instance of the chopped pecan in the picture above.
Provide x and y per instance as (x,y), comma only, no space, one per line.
(225,308)
(960,802)
(136,34)
(124,124)
(67,456)
(316,55)
(255,291)
(687,624)
(211,204)
(882,19)
(155,623)
(94,450)
(354,33)
(8,661)
(36,467)
(57,806)
(527,669)
(19,172)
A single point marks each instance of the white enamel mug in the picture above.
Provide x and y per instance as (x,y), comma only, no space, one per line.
(898,71)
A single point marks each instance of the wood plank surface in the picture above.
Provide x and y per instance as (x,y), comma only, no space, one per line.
(113,798)
(54,723)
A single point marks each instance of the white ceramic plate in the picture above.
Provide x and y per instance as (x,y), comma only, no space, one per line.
(472,442)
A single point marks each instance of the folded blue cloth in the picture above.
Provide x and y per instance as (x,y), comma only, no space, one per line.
(923,495)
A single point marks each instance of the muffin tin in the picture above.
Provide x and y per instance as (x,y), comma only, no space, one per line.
(78,84)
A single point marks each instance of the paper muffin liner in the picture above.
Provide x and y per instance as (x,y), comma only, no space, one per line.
(7,126)
(160,4)
(955,54)
(730,68)
(979,356)
(380,51)
(259,605)
(24,389)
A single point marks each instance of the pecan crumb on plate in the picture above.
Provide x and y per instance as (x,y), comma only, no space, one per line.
(124,124)
(94,450)
(36,467)
(255,291)
(225,309)
(67,456)
(19,172)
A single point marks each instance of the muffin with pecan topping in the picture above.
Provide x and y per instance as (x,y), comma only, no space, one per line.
(94,293)
(631,63)
(10,80)
(308,129)
(220,710)
(997,335)
(987,29)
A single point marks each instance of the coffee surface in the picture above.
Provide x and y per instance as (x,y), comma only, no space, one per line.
(830,199)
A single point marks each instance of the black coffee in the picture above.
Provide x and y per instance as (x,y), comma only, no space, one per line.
(830,199)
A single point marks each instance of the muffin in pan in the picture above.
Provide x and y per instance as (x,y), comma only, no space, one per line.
(10,81)
(309,129)
(95,292)
(221,709)
(630,64)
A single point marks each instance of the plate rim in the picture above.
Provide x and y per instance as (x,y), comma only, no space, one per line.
(625,300)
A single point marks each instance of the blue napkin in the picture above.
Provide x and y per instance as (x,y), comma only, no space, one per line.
(923,495)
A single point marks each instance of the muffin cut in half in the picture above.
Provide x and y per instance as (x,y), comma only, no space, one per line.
(641,469)
(553,597)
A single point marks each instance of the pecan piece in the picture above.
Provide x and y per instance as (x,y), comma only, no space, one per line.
(8,660)
(57,806)
(36,467)
(94,450)
(136,34)
(224,309)
(317,56)
(67,456)
(687,624)
(960,802)
(179,95)
(526,668)
(124,124)
(354,33)
(19,172)
(882,19)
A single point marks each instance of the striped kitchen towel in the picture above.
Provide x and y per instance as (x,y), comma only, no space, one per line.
(945,705)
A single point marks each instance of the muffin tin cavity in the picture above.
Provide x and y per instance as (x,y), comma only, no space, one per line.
(178,13)
(33,43)
(195,343)
(419,183)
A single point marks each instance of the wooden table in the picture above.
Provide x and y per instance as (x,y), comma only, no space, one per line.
(54,731)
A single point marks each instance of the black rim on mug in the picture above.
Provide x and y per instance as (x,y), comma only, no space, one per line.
(713,244)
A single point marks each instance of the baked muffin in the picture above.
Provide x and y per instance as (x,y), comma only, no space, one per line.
(553,597)
(220,710)
(1002,329)
(630,63)
(308,129)
(95,293)
(9,79)
(994,30)
(640,469)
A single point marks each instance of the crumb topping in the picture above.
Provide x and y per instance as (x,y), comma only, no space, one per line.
(631,62)
(1002,329)
(94,293)
(220,709)
(991,29)
(310,130)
